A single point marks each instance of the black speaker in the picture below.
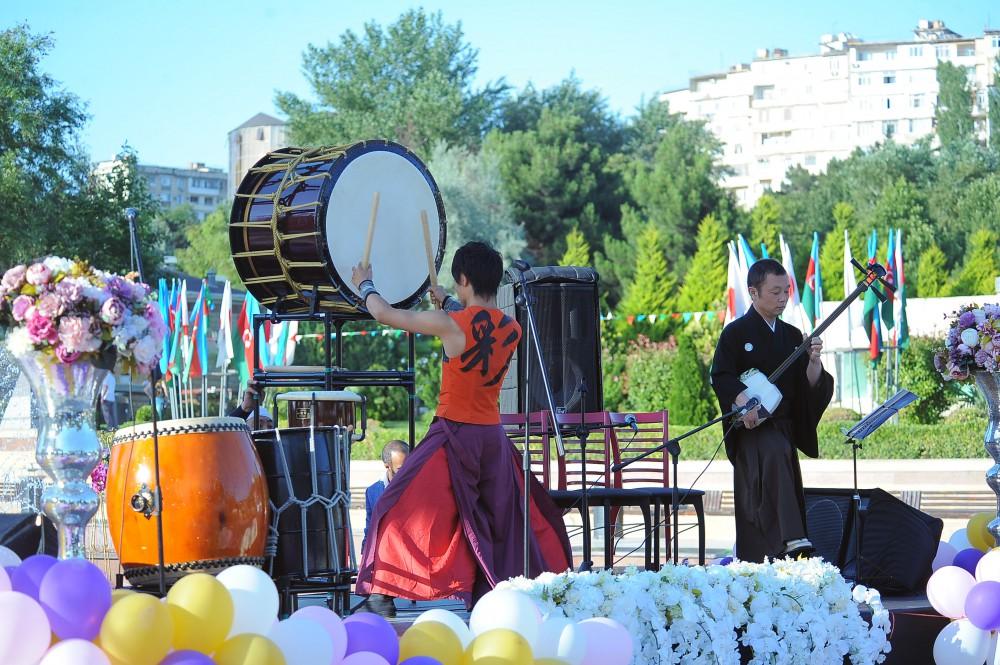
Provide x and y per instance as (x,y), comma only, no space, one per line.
(567,314)
(898,542)
(22,533)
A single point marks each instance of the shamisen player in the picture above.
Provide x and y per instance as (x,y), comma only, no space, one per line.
(448,524)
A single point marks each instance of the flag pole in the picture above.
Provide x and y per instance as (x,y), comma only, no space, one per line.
(222,393)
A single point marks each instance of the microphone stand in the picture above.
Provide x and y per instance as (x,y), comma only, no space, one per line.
(673,447)
(524,300)
(130,215)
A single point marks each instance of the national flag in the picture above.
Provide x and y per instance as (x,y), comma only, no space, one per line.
(193,365)
(243,343)
(745,253)
(793,310)
(870,315)
(763,251)
(812,294)
(854,310)
(175,330)
(225,353)
(184,330)
(902,327)
(163,300)
(890,278)
(737,297)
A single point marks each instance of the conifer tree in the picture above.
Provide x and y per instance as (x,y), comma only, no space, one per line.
(932,273)
(651,290)
(577,249)
(705,281)
(980,269)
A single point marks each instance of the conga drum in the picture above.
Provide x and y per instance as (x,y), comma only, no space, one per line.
(214,498)
(308,480)
(333,407)
(300,222)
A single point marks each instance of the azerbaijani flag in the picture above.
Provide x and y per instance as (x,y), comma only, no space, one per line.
(812,295)
(870,316)
(902,327)
(890,277)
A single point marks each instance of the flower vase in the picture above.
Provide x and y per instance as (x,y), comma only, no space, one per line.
(989,385)
(68,448)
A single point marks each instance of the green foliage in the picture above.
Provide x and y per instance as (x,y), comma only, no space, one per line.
(993,113)
(953,113)
(932,273)
(475,201)
(831,255)
(577,249)
(705,282)
(690,398)
(764,224)
(901,205)
(208,247)
(411,82)
(648,376)
(652,286)
(175,223)
(981,267)
(646,129)
(917,373)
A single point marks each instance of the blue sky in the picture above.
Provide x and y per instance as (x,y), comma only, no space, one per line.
(172,77)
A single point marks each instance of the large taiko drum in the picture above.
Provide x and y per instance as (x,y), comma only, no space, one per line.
(300,222)
(214,498)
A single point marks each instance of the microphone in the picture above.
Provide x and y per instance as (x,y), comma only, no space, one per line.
(521,265)
(130,214)
(631,422)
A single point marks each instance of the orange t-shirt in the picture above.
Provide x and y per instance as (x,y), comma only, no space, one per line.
(470,384)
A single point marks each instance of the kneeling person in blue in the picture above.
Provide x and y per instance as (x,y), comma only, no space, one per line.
(394,454)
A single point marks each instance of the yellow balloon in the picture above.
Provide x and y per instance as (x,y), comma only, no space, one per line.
(550,661)
(249,649)
(202,612)
(977,533)
(431,638)
(498,647)
(118,594)
(137,631)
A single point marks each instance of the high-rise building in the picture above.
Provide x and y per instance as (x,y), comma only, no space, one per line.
(250,141)
(200,186)
(781,111)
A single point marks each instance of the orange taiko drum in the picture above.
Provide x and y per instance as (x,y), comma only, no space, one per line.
(214,498)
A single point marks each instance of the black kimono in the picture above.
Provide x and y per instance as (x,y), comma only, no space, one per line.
(767,481)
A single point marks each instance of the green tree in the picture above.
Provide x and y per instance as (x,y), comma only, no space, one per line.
(175,222)
(902,206)
(981,267)
(993,113)
(477,205)
(577,249)
(917,373)
(953,114)
(645,131)
(705,281)
(652,288)
(831,255)
(932,273)
(208,247)
(412,82)
(764,219)
(689,397)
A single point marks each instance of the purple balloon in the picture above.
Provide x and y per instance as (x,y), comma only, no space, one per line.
(421,660)
(982,605)
(367,631)
(75,595)
(725,561)
(187,657)
(27,577)
(967,559)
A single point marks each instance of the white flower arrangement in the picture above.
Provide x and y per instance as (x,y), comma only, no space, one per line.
(784,611)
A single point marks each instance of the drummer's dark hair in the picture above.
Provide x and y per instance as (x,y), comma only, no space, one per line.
(394,446)
(482,266)
(761,269)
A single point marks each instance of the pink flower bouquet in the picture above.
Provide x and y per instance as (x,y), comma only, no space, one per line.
(74,312)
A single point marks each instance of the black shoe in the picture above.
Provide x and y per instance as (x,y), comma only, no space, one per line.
(381,604)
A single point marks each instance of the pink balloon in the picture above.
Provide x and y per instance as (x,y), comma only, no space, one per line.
(4,580)
(75,652)
(24,629)
(331,623)
(364,658)
(947,589)
(608,642)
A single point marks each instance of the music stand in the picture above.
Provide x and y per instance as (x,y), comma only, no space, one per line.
(855,436)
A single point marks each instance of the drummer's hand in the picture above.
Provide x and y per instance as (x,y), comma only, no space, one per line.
(249,398)
(437,296)
(361,273)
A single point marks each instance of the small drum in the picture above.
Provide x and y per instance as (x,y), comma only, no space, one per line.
(300,223)
(214,498)
(333,407)
(308,478)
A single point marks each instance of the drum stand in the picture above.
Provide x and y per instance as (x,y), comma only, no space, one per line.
(329,377)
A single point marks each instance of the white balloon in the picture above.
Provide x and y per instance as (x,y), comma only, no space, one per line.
(255,599)
(961,643)
(75,652)
(608,642)
(947,589)
(451,620)
(24,629)
(988,568)
(331,623)
(8,557)
(560,638)
(945,555)
(302,641)
(960,540)
(506,608)
(4,581)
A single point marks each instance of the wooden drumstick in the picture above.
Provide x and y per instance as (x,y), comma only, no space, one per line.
(371,231)
(431,270)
